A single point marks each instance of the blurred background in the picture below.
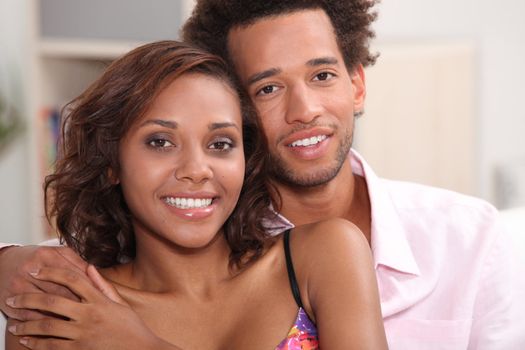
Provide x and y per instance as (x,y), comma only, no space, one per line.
(444,103)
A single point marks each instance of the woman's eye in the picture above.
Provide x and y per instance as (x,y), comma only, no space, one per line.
(160,143)
(222,145)
(268,89)
(324,76)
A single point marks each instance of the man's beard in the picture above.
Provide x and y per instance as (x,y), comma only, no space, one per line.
(286,175)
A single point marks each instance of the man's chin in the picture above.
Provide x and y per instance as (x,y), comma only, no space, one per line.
(305,179)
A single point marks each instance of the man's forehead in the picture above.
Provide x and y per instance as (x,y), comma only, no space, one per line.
(298,38)
(285,20)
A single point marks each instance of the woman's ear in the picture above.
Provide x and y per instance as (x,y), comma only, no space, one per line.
(112,176)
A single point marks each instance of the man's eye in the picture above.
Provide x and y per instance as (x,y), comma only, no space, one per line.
(160,143)
(323,76)
(268,89)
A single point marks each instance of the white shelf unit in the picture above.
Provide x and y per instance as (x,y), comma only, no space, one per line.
(59,69)
(67,67)
(84,49)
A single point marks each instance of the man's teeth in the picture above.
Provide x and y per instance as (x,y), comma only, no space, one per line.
(188,203)
(309,141)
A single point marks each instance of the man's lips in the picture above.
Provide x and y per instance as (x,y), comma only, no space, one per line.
(311,141)
(309,144)
(307,138)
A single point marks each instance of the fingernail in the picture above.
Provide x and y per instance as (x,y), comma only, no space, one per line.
(23,341)
(12,329)
(34,273)
(10,301)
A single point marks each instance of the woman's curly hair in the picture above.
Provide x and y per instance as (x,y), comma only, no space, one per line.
(211,21)
(81,198)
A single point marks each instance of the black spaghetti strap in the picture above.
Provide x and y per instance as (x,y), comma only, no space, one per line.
(291,273)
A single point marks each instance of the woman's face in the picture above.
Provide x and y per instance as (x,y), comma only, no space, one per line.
(182,165)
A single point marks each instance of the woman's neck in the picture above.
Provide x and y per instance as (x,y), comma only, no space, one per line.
(162,267)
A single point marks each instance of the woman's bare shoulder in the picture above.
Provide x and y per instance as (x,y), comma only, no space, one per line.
(329,237)
(337,280)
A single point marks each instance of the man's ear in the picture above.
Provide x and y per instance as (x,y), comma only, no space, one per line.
(359,88)
(113,177)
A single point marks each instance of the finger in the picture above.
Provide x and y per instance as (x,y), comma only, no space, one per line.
(50,327)
(22,314)
(19,314)
(46,303)
(72,258)
(58,257)
(53,288)
(46,343)
(104,286)
(17,262)
(77,282)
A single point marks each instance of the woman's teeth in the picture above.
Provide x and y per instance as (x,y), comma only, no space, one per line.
(188,203)
(309,141)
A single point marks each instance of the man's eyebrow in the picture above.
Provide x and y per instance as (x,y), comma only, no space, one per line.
(314,62)
(322,61)
(165,123)
(263,75)
(215,126)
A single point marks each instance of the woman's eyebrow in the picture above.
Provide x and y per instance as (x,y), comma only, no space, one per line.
(215,126)
(165,123)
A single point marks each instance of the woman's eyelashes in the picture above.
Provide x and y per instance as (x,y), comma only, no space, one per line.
(160,143)
(217,144)
(222,144)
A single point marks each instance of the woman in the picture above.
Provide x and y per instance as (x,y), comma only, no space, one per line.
(151,170)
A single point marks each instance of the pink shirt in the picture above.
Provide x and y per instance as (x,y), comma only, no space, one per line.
(443,267)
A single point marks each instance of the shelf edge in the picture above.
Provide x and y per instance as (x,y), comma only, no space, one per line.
(84,49)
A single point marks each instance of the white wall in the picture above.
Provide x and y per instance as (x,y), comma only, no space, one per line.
(498,32)
(495,28)
(14,225)
(419,120)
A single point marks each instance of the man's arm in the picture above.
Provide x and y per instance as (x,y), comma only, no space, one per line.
(17,262)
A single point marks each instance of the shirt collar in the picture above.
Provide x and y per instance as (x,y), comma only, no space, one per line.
(389,243)
(276,224)
(390,247)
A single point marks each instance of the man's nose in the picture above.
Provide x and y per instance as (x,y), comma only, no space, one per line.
(303,105)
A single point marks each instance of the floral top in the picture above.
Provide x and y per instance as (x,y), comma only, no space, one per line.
(302,336)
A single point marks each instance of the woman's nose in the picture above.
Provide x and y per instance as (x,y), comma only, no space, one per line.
(193,167)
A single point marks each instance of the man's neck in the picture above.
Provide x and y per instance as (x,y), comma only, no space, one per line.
(345,196)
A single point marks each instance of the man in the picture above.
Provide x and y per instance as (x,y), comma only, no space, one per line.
(441,259)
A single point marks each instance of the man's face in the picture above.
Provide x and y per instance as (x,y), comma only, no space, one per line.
(295,74)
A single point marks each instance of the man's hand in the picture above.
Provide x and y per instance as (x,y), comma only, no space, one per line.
(16,264)
(95,322)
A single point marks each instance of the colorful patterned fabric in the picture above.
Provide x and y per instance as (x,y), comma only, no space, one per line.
(302,336)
